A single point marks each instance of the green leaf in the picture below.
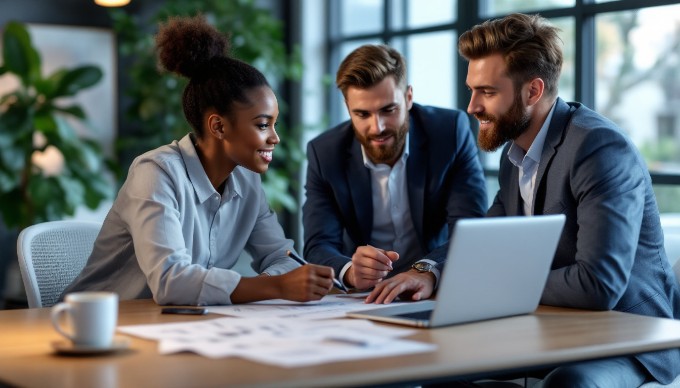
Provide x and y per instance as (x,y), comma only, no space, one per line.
(275,185)
(97,190)
(43,191)
(15,123)
(74,192)
(49,85)
(3,70)
(12,158)
(46,124)
(19,55)
(78,79)
(65,130)
(73,110)
(8,181)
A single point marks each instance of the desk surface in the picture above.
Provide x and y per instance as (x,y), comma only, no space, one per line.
(550,336)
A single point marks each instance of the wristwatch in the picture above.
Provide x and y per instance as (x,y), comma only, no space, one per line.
(422,266)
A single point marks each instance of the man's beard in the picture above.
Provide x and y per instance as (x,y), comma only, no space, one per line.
(385,153)
(508,126)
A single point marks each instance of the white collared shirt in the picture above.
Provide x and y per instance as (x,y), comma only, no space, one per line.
(393,227)
(528,162)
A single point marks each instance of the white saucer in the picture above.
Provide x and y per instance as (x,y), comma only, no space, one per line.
(67,347)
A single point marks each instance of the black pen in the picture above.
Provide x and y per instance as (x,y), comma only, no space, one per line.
(302,261)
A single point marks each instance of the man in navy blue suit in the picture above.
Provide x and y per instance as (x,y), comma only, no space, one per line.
(385,188)
(564,158)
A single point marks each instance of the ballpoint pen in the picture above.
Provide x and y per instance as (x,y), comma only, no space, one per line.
(302,261)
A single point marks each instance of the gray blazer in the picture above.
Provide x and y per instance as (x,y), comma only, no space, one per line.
(611,254)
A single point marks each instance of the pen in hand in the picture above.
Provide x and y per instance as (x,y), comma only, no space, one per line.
(302,261)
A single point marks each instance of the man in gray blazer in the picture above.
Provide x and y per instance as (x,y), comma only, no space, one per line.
(565,158)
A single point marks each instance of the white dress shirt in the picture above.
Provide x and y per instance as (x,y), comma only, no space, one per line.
(393,228)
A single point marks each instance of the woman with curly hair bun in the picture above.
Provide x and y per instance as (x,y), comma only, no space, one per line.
(190,208)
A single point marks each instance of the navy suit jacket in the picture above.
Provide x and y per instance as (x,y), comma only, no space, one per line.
(611,253)
(445,183)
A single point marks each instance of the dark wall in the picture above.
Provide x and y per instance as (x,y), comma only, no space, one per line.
(64,12)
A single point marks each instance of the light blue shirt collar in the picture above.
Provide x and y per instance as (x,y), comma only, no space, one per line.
(199,179)
(516,154)
(527,164)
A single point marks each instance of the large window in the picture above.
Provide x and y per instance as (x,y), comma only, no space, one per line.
(621,59)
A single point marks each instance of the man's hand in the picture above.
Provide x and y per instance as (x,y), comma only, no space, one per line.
(369,266)
(407,285)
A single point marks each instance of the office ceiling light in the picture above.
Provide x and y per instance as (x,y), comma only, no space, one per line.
(112,3)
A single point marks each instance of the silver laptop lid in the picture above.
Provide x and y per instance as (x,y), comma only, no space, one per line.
(496,267)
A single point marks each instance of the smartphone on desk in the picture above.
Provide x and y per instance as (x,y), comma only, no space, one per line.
(184,310)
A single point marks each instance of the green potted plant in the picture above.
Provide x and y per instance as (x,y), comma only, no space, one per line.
(154,113)
(37,119)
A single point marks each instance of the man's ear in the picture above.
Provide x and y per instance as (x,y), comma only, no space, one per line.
(535,90)
(216,126)
(408,96)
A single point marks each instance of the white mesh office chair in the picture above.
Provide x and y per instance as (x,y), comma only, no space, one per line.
(51,255)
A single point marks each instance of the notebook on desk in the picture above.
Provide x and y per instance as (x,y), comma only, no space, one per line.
(496,267)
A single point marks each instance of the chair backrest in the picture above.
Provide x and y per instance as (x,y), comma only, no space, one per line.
(51,254)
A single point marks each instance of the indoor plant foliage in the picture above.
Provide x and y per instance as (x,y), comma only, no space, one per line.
(36,120)
(154,114)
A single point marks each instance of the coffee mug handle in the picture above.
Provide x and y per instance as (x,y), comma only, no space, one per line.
(57,311)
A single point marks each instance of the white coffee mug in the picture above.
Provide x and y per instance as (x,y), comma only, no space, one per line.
(92,315)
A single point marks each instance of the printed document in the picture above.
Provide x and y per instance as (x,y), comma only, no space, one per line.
(283,342)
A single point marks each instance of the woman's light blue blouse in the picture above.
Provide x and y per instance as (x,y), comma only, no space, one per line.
(169,235)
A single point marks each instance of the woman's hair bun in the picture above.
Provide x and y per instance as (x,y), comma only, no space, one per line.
(187,44)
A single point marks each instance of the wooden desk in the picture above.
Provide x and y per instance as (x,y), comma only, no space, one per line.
(550,336)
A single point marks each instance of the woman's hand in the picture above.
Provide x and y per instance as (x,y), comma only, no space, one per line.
(309,282)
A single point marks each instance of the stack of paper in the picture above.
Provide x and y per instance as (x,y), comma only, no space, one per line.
(295,340)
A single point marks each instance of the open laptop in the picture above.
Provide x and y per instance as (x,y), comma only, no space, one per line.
(496,267)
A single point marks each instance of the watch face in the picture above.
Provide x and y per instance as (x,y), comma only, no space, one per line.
(422,266)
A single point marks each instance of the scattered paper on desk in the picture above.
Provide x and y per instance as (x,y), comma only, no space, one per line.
(331,306)
(282,342)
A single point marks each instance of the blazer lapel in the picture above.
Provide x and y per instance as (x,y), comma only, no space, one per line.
(359,181)
(552,141)
(515,196)
(416,172)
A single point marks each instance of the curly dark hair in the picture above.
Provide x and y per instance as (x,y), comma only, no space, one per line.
(192,48)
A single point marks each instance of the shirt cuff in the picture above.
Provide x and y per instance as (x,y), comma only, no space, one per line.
(435,271)
(342,274)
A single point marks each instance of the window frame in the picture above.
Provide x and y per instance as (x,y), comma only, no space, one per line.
(584,13)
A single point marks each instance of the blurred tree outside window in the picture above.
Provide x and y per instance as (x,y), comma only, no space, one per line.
(638,86)
(633,78)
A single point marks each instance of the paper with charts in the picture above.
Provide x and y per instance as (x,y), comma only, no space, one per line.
(330,306)
(289,342)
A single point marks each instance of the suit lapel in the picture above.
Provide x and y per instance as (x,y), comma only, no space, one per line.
(359,182)
(552,141)
(416,172)
(515,200)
